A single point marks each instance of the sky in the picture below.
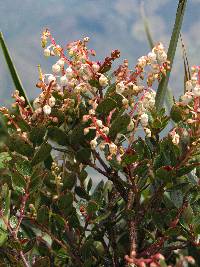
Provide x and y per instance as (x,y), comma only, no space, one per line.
(110,24)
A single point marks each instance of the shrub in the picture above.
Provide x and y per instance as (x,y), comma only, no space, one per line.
(87,179)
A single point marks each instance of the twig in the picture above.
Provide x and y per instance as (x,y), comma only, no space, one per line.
(24,259)
(61,149)
(112,231)
(14,234)
(22,210)
(61,243)
(158,244)
(112,176)
(103,164)
(132,223)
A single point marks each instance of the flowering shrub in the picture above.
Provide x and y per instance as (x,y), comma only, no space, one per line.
(89,119)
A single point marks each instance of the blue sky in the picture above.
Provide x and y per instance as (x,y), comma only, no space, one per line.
(111,24)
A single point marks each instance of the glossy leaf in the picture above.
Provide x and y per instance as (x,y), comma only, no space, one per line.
(41,154)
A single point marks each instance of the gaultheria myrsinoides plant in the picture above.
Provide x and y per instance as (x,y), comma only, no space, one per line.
(90,120)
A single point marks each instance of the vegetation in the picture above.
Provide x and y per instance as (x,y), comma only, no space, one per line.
(91,173)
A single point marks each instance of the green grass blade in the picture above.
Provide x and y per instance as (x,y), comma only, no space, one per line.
(187,75)
(146,26)
(185,58)
(162,88)
(12,69)
(169,100)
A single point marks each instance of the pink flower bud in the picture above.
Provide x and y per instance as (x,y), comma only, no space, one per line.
(190,259)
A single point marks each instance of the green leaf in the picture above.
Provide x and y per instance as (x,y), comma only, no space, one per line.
(37,179)
(18,182)
(43,248)
(176,113)
(23,166)
(83,155)
(73,220)
(164,174)
(162,263)
(37,134)
(57,135)
(196,224)
(58,219)
(184,170)
(4,158)
(102,217)
(42,153)
(15,244)
(88,262)
(177,198)
(142,169)
(89,185)
(98,192)
(3,235)
(94,83)
(158,220)
(92,207)
(162,88)
(110,90)
(82,175)
(77,135)
(106,106)
(81,192)
(48,162)
(188,214)
(16,143)
(87,250)
(141,149)
(65,201)
(12,69)
(99,247)
(118,99)
(6,193)
(30,245)
(69,180)
(3,128)
(119,125)
(169,154)
(43,215)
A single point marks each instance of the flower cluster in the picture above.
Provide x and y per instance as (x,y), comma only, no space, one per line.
(192,87)
(76,79)
(88,115)
(153,261)
(190,104)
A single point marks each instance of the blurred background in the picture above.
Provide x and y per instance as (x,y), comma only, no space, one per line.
(111,24)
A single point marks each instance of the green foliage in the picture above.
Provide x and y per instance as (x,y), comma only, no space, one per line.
(119,125)
(162,88)
(169,96)
(41,154)
(12,69)
(144,203)
(4,158)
